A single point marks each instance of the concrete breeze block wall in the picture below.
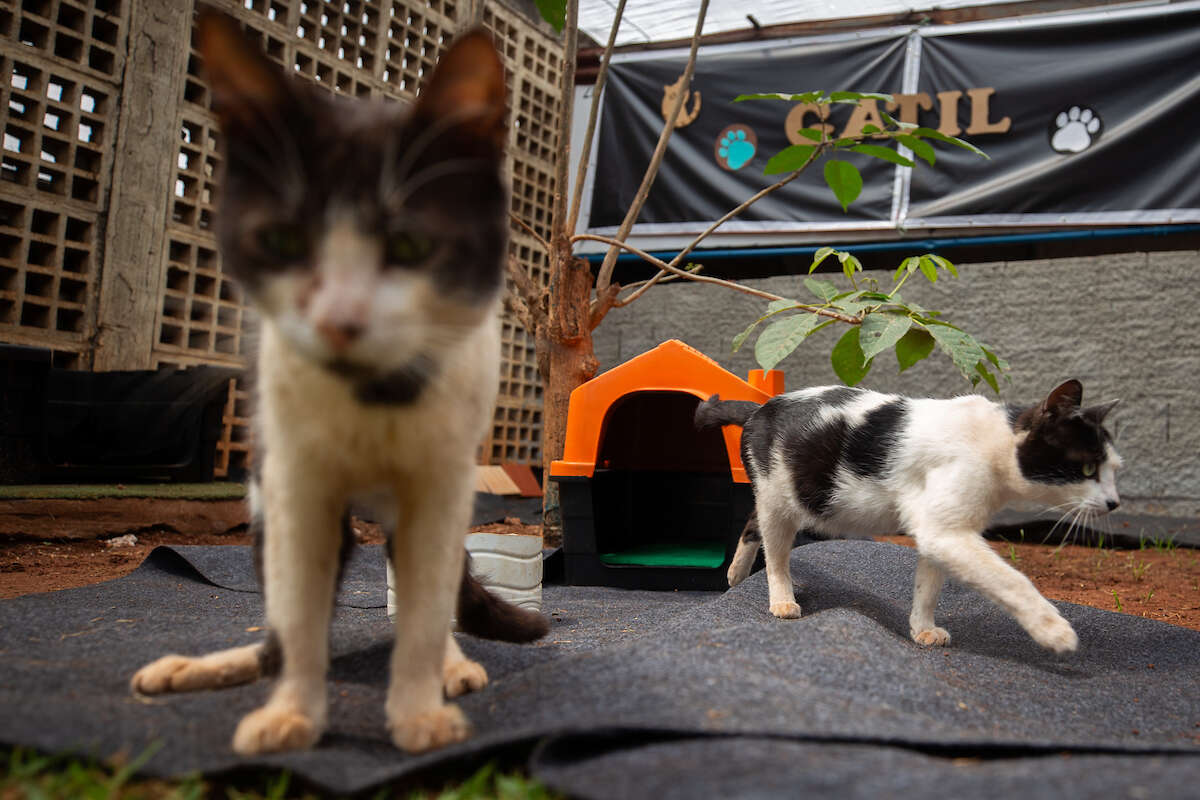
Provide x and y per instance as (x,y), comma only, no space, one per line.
(1122,324)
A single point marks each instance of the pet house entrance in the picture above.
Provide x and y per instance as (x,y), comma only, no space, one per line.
(660,494)
(649,502)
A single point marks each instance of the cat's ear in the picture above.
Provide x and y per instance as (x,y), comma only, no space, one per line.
(1064,399)
(466,91)
(1097,413)
(246,86)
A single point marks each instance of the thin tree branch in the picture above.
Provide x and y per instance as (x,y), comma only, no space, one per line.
(528,294)
(610,258)
(525,227)
(737,287)
(704,235)
(586,152)
(567,92)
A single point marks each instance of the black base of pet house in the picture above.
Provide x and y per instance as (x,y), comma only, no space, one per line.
(647,501)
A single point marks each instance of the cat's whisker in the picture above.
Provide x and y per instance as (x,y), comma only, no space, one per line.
(440,170)
(1059,522)
(414,151)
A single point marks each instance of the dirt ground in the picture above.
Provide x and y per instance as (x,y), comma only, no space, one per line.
(1159,583)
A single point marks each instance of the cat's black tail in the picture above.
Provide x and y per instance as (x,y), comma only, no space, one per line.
(483,614)
(714,411)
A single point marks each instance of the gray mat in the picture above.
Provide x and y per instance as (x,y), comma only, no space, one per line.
(645,694)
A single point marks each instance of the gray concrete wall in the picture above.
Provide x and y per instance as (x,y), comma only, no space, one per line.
(1125,325)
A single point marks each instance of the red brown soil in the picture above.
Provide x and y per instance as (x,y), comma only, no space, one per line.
(28,565)
(1160,584)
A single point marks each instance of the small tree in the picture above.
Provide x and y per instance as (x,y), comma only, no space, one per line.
(562,316)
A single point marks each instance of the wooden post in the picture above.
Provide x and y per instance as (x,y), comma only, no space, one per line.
(147,143)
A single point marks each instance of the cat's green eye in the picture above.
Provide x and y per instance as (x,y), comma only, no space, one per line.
(1089,470)
(283,241)
(407,248)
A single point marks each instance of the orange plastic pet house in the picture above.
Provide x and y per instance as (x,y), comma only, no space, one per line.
(648,501)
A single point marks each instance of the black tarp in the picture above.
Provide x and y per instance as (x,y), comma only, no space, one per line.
(645,694)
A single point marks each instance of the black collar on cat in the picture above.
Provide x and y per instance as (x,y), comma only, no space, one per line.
(399,387)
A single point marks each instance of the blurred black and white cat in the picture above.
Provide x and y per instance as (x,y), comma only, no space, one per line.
(371,238)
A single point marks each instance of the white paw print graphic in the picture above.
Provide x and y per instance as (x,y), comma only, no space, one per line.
(1074,130)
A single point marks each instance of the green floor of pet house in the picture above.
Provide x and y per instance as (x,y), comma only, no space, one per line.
(662,519)
(704,555)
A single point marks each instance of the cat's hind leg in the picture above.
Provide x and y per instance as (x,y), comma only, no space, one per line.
(747,549)
(927,585)
(176,673)
(459,673)
(778,534)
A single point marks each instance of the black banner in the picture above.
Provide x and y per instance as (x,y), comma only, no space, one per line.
(1088,119)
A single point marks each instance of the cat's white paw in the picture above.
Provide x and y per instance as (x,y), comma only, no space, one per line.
(931,637)
(787,610)
(272,730)
(1054,633)
(170,673)
(463,676)
(431,729)
(173,673)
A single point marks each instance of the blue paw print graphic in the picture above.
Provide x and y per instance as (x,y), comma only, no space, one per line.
(736,146)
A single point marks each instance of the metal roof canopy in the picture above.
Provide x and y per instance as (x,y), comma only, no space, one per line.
(666,21)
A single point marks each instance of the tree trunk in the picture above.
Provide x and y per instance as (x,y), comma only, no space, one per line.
(570,361)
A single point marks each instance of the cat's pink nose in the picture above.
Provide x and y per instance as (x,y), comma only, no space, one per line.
(339,335)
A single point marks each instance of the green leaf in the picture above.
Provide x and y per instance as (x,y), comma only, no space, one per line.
(851,265)
(845,181)
(944,263)
(854,97)
(781,337)
(847,358)
(741,338)
(775,306)
(812,133)
(962,348)
(789,159)
(822,289)
(806,97)
(913,346)
(820,256)
(881,331)
(869,128)
(554,12)
(928,268)
(907,265)
(998,362)
(919,147)
(885,153)
(933,133)
(988,377)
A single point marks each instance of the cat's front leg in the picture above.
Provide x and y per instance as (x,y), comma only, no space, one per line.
(427,555)
(968,557)
(927,585)
(301,543)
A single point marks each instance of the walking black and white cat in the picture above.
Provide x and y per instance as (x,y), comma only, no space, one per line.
(836,460)
(370,238)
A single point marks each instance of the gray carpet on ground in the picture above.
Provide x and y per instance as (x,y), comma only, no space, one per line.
(645,694)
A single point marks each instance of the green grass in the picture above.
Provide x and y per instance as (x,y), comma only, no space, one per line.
(220,490)
(28,775)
